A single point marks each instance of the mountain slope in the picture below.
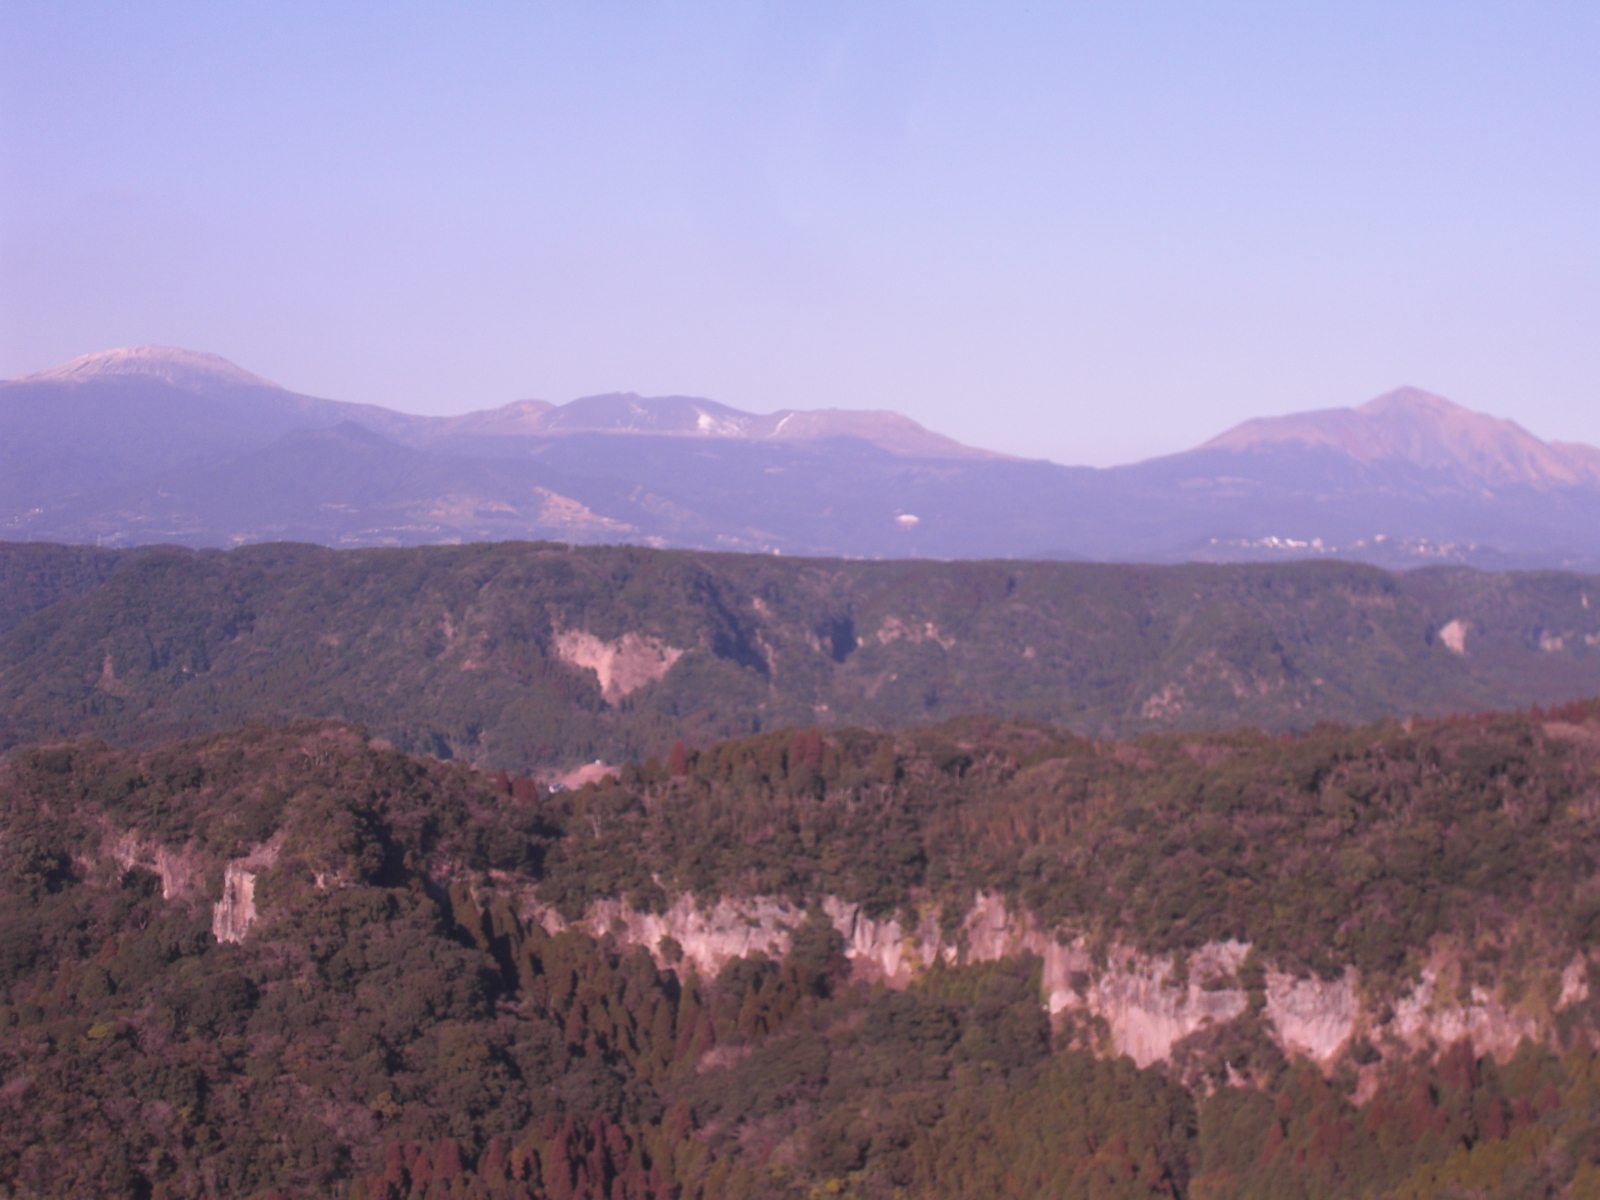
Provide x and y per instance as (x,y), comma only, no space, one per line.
(113,418)
(343,485)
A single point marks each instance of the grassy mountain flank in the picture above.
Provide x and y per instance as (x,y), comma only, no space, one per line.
(522,655)
(398,1020)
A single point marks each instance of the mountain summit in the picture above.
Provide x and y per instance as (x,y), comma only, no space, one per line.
(690,416)
(192,370)
(1428,431)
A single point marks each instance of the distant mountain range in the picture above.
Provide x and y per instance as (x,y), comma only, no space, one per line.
(149,445)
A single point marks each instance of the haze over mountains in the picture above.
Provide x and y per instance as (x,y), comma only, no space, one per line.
(150,444)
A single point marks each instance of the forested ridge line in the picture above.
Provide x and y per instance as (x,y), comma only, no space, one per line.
(395,1022)
(524,656)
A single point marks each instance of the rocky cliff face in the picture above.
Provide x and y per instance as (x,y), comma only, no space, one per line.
(182,871)
(184,876)
(1133,1003)
(1145,1004)
(232,916)
(622,666)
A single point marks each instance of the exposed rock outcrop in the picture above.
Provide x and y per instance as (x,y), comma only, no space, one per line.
(182,871)
(893,629)
(1314,1017)
(1438,1012)
(1146,1003)
(232,916)
(623,666)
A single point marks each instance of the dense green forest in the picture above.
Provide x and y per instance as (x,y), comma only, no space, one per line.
(459,651)
(397,1022)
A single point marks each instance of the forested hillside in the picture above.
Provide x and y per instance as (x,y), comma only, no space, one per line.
(296,961)
(523,656)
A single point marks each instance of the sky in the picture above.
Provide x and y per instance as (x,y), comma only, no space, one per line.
(1087,232)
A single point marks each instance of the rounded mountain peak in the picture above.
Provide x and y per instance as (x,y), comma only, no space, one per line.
(193,370)
(1411,425)
(1404,401)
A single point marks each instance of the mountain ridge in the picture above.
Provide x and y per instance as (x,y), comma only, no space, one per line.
(612,412)
(151,445)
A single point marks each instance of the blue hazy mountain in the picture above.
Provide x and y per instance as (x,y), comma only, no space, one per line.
(151,444)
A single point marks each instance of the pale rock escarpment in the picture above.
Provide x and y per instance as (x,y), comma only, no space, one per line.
(1143,1004)
(1146,1004)
(1430,1012)
(182,871)
(1441,1008)
(1454,636)
(709,936)
(1145,1009)
(623,666)
(183,877)
(232,916)
(1148,1008)
(1313,1017)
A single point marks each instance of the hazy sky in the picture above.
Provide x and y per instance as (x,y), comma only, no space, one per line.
(1088,232)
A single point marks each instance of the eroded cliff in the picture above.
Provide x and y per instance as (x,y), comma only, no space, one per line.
(1138,1004)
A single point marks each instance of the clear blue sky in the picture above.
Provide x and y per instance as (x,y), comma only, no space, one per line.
(1087,232)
